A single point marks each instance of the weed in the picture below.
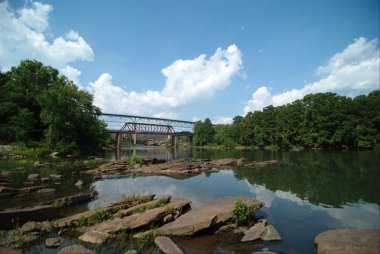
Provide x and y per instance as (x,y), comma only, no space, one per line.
(152,205)
(135,160)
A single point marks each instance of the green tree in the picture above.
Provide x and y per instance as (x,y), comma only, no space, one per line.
(203,133)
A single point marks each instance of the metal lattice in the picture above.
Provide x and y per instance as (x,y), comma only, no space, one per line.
(116,122)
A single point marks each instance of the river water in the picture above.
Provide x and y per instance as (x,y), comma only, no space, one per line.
(304,194)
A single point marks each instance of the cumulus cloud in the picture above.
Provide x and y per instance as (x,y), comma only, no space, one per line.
(353,71)
(23,37)
(187,81)
(223,120)
(72,74)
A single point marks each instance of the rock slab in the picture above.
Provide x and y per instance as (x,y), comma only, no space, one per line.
(349,241)
(216,212)
(255,232)
(166,245)
(271,234)
(75,249)
(53,242)
(94,237)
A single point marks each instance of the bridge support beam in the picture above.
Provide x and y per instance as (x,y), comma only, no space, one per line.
(119,137)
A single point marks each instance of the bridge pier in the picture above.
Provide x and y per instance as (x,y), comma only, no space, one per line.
(134,137)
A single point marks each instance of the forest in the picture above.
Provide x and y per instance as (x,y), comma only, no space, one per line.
(40,108)
(318,121)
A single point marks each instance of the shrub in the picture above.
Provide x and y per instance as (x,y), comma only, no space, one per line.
(243,214)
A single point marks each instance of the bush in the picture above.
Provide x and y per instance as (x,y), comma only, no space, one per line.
(243,214)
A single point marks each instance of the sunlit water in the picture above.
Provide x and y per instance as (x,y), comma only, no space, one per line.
(305,194)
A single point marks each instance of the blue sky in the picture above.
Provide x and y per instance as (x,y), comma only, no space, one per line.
(195,59)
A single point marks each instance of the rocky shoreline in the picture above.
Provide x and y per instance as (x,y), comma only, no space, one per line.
(161,219)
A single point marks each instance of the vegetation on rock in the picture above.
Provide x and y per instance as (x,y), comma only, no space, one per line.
(243,214)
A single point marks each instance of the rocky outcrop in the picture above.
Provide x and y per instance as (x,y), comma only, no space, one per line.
(166,245)
(37,213)
(139,220)
(75,249)
(270,234)
(9,251)
(358,241)
(205,217)
(132,205)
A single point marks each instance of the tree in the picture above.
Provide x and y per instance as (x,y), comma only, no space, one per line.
(203,132)
(38,105)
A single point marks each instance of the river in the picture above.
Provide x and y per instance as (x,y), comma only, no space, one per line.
(304,194)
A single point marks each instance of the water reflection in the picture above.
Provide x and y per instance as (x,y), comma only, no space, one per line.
(305,193)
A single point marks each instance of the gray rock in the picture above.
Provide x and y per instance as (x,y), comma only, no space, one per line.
(94,237)
(32,177)
(271,234)
(46,191)
(53,242)
(358,241)
(131,252)
(55,176)
(75,249)
(79,183)
(254,232)
(30,227)
(168,218)
(166,245)
(216,212)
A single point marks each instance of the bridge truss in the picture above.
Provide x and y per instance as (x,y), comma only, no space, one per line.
(116,122)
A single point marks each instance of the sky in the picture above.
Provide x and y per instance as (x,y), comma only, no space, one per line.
(190,60)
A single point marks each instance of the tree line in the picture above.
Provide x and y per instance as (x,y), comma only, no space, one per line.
(320,121)
(40,107)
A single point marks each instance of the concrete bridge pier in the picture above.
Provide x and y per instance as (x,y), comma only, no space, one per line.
(134,137)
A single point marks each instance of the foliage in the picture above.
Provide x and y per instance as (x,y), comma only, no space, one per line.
(318,121)
(151,205)
(203,132)
(135,160)
(243,215)
(97,217)
(38,106)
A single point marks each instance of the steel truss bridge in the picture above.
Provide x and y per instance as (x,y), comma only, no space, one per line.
(121,125)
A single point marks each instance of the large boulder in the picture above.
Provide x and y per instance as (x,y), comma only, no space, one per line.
(166,245)
(339,241)
(205,217)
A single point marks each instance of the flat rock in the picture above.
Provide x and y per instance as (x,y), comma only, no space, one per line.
(75,249)
(255,232)
(138,220)
(23,215)
(358,241)
(46,191)
(216,212)
(166,245)
(94,237)
(9,251)
(131,252)
(32,177)
(53,242)
(271,234)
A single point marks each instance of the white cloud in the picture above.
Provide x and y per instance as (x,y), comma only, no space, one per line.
(187,81)
(351,72)
(72,74)
(167,115)
(22,37)
(223,120)
(194,119)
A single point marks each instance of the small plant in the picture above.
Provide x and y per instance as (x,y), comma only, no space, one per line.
(155,204)
(243,214)
(135,160)
(59,203)
(81,222)
(97,217)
